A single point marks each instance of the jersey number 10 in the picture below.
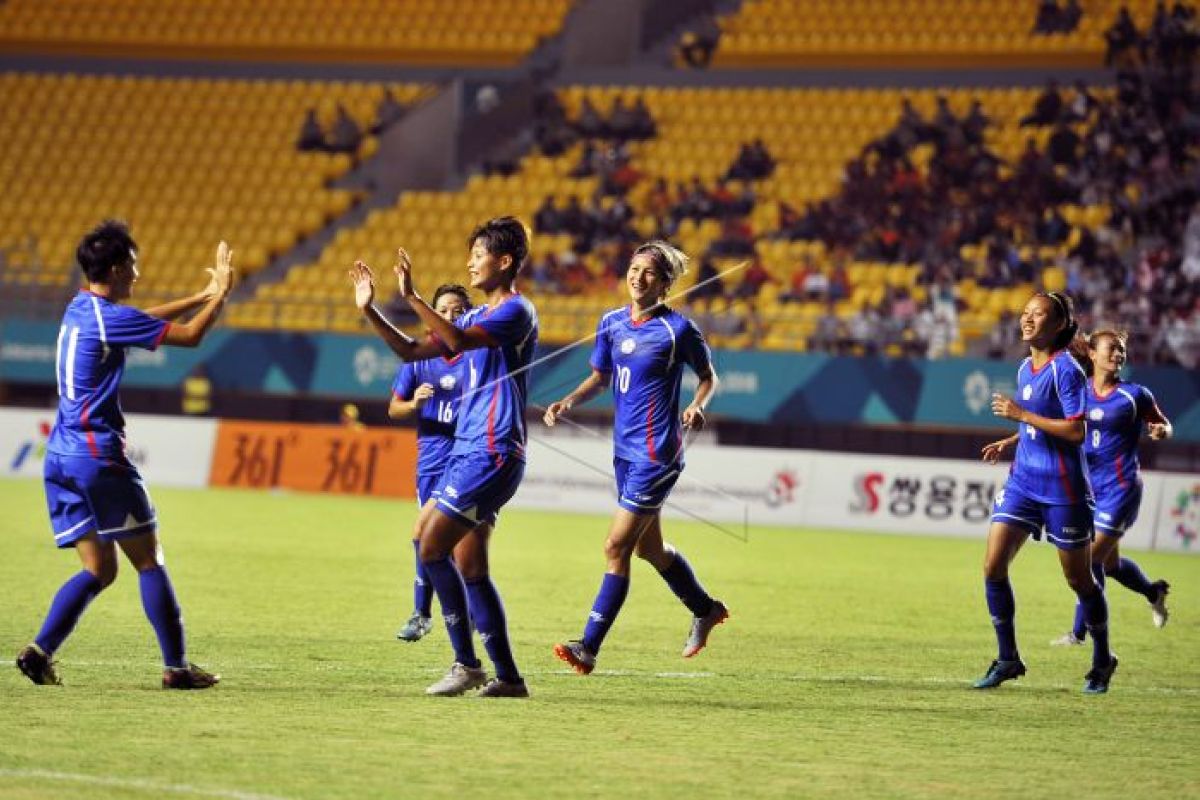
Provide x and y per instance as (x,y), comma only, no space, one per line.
(623,376)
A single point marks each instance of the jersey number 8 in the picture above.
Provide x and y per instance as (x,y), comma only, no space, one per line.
(1096,439)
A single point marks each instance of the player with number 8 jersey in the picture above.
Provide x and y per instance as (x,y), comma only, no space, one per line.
(641,350)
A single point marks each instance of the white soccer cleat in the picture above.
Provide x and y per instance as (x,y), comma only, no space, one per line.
(1068,639)
(1158,609)
(458,679)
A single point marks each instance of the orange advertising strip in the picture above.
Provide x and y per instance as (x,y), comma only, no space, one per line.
(315,458)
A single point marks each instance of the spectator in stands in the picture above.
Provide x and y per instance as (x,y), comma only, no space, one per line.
(311,136)
(1047,109)
(622,123)
(1072,13)
(753,162)
(589,159)
(589,124)
(644,126)
(1063,146)
(388,112)
(753,280)
(829,331)
(547,219)
(709,283)
(1082,103)
(552,130)
(1120,37)
(736,239)
(1049,17)
(698,44)
(975,123)
(345,136)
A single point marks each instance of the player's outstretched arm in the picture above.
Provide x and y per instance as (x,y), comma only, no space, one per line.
(453,337)
(192,332)
(177,308)
(1069,430)
(591,386)
(693,415)
(398,342)
(398,408)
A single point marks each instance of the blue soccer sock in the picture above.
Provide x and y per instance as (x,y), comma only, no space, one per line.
(683,583)
(613,591)
(452,596)
(1002,605)
(1095,610)
(422,588)
(65,610)
(488,612)
(158,601)
(1130,575)
(1080,626)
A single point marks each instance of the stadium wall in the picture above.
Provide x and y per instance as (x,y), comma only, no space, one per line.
(727,488)
(757,387)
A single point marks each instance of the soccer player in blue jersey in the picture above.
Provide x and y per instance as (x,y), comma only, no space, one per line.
(1117,413)
(431,389)
(1047,487)
(641,350)
(96,497)
(487,461)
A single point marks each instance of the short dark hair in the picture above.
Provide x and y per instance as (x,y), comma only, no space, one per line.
(503,236)
(106,246)
(452,288)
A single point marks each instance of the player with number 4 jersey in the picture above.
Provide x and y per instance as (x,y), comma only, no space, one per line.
(1117,412)
(641,350)
(1047,487)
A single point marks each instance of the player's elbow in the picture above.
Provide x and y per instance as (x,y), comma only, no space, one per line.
(1077,432)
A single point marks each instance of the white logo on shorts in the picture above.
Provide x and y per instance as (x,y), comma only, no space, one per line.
(1000,499)
(1104,515)
(628,346)
(451,491)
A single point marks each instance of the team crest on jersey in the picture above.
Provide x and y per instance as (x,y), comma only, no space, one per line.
(447,382)
(1096,414)
(628,346)
(1027,392)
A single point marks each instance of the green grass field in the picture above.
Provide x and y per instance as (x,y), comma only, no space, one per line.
(843,671)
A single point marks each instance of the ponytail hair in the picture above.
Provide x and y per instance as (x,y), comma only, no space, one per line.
(1078,348)
(1065,309)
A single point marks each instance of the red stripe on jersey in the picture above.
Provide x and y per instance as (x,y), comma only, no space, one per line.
(650,431)
(1124,484)
(161,335)
(1062,473)
(91,436)
(1074,417)
(492,419)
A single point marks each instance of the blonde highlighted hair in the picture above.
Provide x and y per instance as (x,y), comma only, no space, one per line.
(672,261)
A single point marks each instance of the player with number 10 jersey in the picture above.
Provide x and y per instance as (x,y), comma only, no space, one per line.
(642,349)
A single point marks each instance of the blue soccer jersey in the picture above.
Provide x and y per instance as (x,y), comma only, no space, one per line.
(436,418)
(89,364)
(646,359)
(1048,469)
(491,416)
(1114,426)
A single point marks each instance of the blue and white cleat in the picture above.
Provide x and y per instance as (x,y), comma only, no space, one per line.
(999,672)
(1158,608)
(1096,681)
(417,627)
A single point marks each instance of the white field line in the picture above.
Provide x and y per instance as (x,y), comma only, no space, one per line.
(137,784)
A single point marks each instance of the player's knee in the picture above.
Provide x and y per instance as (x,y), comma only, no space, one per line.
(1082,585)
(617,549)
(995,568)
(105,572)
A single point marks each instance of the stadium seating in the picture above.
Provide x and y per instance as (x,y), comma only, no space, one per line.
(812,133)
(402,31)
(187,162)
(924,33)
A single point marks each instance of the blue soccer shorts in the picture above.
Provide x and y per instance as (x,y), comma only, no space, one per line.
(643,487)
(1068,526)
(1116,511)
(475,486)
(427,487)
(105,495)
